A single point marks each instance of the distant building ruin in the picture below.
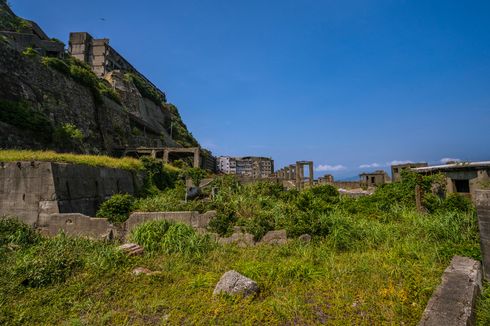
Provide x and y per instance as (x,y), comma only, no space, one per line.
(28,34)
(101,57)
(397,169)
(463,178)
(373,179)
(296,173)
(248,166)
(326,179)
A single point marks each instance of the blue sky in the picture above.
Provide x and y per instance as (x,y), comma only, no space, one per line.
(343,83)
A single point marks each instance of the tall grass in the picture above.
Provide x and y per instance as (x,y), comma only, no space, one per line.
(125,163)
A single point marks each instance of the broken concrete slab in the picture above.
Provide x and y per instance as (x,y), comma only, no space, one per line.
(240,239)
(453,302)
(131,249)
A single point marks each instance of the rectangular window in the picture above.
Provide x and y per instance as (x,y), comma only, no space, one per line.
(462,185)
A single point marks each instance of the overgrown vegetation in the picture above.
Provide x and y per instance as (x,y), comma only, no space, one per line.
(83,74)
(126,163)
(483,306)
(373,260)
(146,90)
(117,208)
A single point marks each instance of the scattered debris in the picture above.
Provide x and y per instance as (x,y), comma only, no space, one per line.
(131,249)
(143,270)
(240,239)
(304,238)
(234,283)
(278,237)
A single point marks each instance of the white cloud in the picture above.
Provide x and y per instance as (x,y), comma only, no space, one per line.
(326,167)
(396,162)
(446,160)
(372,165)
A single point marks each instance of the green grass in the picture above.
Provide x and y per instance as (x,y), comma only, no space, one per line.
(483,307)
(126,163)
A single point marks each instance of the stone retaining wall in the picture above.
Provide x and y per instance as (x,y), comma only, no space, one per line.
(33,190)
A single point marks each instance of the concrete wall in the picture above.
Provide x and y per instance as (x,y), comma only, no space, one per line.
(76,224)
(30,190)
(194,219)
(475,177)
(482,198)
(453,302)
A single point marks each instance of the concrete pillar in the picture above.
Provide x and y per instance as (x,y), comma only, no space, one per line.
(153,153)
(287,172)
(197,155)
(482,199)
(310,167)
(292,168)
(298,175)
(165,155)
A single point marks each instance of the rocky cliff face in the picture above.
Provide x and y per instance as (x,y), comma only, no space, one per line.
(105,125)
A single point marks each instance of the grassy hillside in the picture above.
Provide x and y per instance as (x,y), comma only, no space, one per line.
(372,260)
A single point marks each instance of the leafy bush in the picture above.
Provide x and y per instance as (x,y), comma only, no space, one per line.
(195,174)
(20,115)
(167,237)
(162,176)
(458,203)
(117,208)
(222,223)
(56,64)
(15,232)
(29,52)
(145,89)
(68,136)
(52,261)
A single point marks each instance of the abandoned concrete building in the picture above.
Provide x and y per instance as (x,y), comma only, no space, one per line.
(463,178)
(326,179)
(101,57)
(373,179)
(295,174)
(248,166)
(200,158)
(30,35)
(396,169)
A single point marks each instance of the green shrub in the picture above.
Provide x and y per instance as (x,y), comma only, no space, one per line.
(222,223)
(117,208)
(68,136)
(483,306)
(52,261)
(195,174)
(457,202)
(15,232)
(22,116)
(29,52)
(145,89)
(56,64)
(167,237)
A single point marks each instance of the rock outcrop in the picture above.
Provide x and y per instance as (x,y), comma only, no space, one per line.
(234,283)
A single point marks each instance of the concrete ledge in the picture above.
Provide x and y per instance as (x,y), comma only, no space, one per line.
(76,224)
(482,199)
(453,302)
(194,219)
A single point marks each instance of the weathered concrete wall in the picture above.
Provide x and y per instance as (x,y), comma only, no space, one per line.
(453,302)
(194,219)
(76,224)
(30,190)
(482,198)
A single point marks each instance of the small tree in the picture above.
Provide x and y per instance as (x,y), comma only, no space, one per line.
(195,174)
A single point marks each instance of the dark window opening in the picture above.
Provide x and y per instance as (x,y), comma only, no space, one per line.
(395,170)
(372,179)
(462,185)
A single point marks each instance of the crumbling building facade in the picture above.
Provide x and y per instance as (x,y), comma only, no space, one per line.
(248,166)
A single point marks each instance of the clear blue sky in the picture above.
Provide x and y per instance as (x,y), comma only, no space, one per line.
(342,83)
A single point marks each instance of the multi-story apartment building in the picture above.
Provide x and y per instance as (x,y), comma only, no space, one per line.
(248,166)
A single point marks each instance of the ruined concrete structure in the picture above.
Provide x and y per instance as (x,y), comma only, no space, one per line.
(201,159)
(33,190)
(373,179)
(101,57)
(29,35)
(482,199)
(296,174)
(396,169)
(326,179)
(462,178)
(255,167)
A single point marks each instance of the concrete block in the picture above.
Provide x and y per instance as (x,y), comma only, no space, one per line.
(453,302)
(76,224)
(482,200)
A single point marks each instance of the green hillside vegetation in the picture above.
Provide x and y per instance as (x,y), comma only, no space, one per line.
(372,260)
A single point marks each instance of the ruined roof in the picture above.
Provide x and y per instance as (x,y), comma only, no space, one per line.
(378,172)
(455,167)
(418,164)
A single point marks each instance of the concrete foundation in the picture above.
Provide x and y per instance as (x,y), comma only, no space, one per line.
(33,190)
(453,302)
